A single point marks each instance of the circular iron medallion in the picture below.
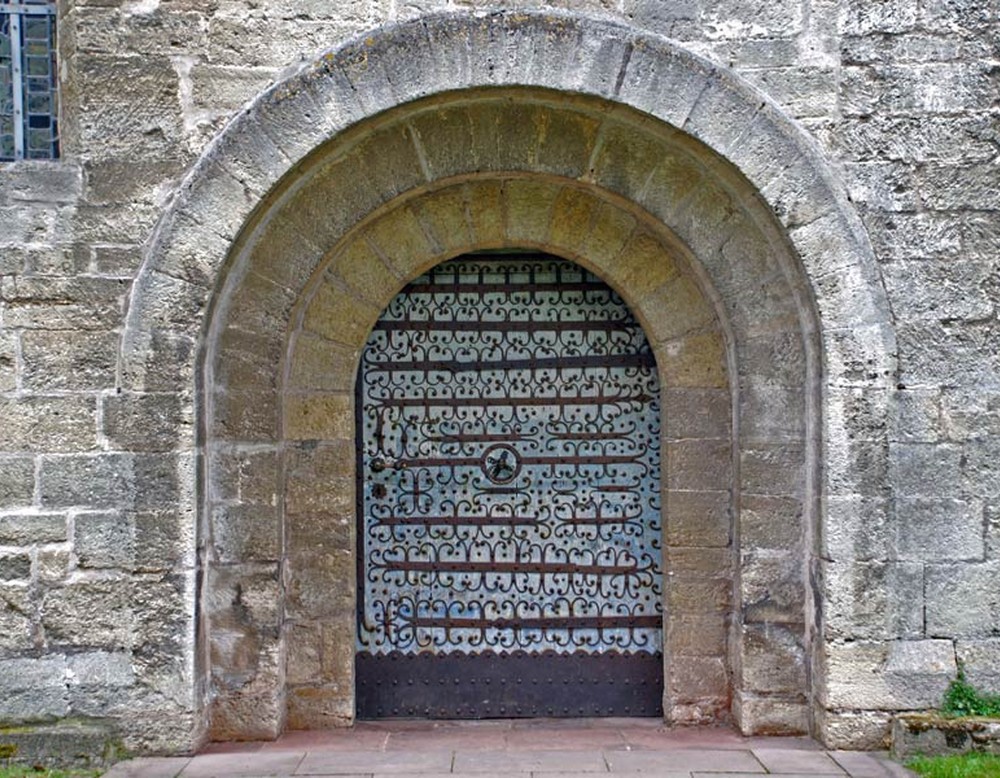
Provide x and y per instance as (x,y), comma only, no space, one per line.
(501,463)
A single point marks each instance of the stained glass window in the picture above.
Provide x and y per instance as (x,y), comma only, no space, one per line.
(28,80)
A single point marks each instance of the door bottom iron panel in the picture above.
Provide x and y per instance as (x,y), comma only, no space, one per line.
(509,498)
(508,685)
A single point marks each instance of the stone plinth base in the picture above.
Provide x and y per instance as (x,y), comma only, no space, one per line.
(928,734)
(67,743)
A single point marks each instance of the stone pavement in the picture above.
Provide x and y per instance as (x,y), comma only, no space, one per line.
(627,748)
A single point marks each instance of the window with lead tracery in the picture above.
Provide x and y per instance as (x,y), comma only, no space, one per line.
(29,112)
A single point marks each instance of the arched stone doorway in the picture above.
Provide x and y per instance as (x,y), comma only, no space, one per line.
(651,271)
(386,170)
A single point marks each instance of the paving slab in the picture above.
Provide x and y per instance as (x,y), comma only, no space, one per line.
(792,761)
(651,774)
(329,740)
(789,742)
(684,760)
(369,762)
(859,764)
(463,740)
(149,767)
(626,748)
(242,764)
(460,775)
(725,774)
(561,761)
(663,738)
(894,769)
(546,739)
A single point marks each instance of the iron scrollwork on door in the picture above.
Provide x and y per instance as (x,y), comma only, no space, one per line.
(509,490)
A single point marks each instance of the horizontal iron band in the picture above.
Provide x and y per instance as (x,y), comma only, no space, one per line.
(535,363)
(506,568)
(550,461)
(490,521)
(466,402)
(452,287)
(506,325)
(567,623)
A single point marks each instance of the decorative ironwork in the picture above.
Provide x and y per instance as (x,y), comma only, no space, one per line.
(28,81)
(509,471)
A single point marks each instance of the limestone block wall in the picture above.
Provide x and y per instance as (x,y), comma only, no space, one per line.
(102,550)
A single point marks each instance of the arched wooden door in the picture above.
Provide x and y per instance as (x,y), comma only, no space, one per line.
(509,550)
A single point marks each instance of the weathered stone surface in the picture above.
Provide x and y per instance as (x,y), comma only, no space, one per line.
(52,565)
(8,362)
(897,675)
(991,515)
(769,715)
(940,289)
(962,600)
(697,635)
(852,729)
(772,658)
(246,533)
(771,587)
(59,361)
(699,464)
(96,481)
(873,599)
(98,681)
(772,469)
(48,424)
(856,528)
(305,653)
(980,661)
(102,540)
(319,416)
(164,539)
(15,567)
(939,529)
(80,303)
(34,689)
(157,360)
(771,523)
(948,352)
(922,470)
(89,613)
(148,422)
(693,679)
(981,468)
(698,518)
(970,414)
(916,416)
(17,481)
(16,619)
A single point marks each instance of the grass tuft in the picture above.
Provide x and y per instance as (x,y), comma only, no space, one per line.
(970,765)
(963,699)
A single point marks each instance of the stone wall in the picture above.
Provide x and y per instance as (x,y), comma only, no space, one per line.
(104,527)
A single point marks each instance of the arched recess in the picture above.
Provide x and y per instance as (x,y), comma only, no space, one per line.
(402,240)
(508,107)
